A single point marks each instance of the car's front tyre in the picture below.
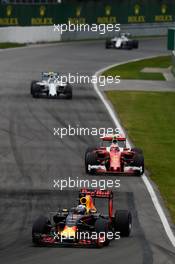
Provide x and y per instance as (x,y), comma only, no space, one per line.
(41,226)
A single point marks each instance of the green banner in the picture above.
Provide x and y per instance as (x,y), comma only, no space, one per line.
(99,12)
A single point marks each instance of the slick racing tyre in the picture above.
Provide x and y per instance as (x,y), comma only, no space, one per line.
(90,149)
(90,159)
(129,45)
(102,226)
(40,226)
(35,91)
(68,91)
(135,44)
(137,150)
(108,44)
(138,161)
(123,222)
(32,87)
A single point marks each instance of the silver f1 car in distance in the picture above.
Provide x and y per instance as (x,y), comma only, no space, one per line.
(123,41)
(51,86)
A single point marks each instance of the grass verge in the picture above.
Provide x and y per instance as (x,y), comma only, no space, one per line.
(149,120)
(7,45)
(132,70)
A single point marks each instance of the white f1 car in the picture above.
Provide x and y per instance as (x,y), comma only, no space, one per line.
(51,86)
(123,41)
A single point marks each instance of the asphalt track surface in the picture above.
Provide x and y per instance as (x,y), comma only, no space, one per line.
(31,157)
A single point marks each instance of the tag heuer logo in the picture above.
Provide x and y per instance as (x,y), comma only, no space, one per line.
(78,11)
(108,10)
(9,11)
(136,10)
(163,9)
(42,10)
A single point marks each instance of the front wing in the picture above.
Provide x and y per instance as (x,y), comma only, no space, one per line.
(47,240)
(101,170)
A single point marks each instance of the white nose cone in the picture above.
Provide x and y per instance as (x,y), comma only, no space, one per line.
(118,43)
(52,89)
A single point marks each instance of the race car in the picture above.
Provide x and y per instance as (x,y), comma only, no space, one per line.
(51,86)
(123,41)
(83,225)
(113,156)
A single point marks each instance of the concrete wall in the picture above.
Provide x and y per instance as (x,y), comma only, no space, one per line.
(149,29)
(46,33)
(28,34)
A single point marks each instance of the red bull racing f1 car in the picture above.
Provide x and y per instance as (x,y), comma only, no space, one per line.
(114,157)
(83,225)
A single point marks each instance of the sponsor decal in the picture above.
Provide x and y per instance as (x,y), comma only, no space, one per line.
(9,20)
(107,18)
(164,16)
(42,19)
(137,17)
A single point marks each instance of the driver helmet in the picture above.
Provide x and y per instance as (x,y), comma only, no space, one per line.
(81,209)
(51,75)
(114,140)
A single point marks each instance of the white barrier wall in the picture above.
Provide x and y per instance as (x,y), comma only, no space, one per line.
(29,34)
(146,29)
(46,33)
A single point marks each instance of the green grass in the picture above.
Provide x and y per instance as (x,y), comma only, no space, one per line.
(149,118)
(132,70)
(7,45)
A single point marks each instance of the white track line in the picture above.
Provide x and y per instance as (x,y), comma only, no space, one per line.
(146,181)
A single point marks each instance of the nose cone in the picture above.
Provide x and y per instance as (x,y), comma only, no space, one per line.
(52,89)
(115,163)
(69,232)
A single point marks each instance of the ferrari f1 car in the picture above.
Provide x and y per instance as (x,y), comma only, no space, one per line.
(123,41)
(112,156)
(51,86)
(83,225)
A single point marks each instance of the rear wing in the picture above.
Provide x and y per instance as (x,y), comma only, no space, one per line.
(99,194)
(110,137)
(96,193)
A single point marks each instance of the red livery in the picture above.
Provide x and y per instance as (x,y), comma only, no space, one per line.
(114,157)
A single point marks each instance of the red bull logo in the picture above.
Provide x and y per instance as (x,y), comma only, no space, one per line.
(88,202)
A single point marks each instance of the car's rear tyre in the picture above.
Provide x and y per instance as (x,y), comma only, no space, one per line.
(102,226)
(129,45)
(41,226)
(123,222)
(108,44)
(137,150)
(138,161)
(90,159)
